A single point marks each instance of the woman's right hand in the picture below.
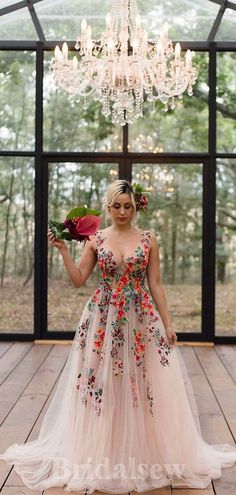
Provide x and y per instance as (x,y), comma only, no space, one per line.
(53,241)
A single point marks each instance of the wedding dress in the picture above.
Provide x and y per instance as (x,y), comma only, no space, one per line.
(123,416)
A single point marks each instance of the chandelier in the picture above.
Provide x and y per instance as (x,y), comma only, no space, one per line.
(124,68)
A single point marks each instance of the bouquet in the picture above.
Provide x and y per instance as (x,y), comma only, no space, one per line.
(80,223)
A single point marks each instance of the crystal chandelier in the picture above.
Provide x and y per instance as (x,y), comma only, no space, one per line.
(124,67)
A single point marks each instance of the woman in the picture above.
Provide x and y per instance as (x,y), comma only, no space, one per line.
(123,416)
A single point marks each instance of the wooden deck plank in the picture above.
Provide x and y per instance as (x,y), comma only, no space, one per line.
(218,378)
(14,479)
(227,354)
(15,384)
(19,423)
(12,357)
(60,491)
(193,491)
(222,384)
(212,422)
(21,490)
(156,491)
(4,347)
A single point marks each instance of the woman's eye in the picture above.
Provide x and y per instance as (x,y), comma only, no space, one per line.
(117,206)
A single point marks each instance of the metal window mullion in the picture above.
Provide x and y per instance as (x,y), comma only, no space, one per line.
(209,207)
(217,22)
(40,275)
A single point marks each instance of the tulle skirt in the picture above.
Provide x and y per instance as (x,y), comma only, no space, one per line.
(123,422)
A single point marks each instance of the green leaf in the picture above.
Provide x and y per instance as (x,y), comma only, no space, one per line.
(56,225)
(64,235)
(82,211)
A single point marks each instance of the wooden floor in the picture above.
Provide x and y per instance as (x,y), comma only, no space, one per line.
(29,373)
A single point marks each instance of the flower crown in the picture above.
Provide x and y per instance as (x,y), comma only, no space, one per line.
(140,196)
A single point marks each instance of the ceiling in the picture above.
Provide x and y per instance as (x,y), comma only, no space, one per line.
(49,20)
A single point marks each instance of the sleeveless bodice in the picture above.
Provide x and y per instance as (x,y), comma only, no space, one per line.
(129,270)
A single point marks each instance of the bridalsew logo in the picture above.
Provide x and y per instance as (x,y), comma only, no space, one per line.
(103,471)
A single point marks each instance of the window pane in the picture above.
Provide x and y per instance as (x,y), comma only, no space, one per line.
(17,100)
(71,184)
(187,20)
(182,129)
(17,25)
(225,247)
(226,102)
(227,31)
(175,215)
(6,3)
(17,244)
(68,127)
(61,19)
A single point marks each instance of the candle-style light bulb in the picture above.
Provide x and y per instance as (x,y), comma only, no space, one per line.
(188,59)
(177,51)
(75,62)
(65,50)
(57,53)
(108,20)
(83,26)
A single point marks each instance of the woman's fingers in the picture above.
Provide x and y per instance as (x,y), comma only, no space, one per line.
(51,236)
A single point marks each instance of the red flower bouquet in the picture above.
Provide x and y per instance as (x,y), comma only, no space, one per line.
(80,223)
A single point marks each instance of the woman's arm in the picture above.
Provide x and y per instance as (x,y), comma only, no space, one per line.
(157,289)
(78,274)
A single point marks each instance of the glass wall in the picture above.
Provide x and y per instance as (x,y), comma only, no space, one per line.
(226,102)
(182,129)
(153,151)
(71,184)
(226,247)
(17,101)
(175,215)
(17,244)
(70,126)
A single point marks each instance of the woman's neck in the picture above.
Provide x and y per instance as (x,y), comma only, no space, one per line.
(122,228)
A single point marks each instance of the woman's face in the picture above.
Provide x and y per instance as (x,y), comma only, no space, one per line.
(122,209)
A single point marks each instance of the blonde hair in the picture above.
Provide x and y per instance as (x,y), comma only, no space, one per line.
(117,187)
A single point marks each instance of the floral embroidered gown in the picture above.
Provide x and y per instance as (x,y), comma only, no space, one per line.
(123,416)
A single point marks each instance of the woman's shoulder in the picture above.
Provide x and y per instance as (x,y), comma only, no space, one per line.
(149,233)
(97,238)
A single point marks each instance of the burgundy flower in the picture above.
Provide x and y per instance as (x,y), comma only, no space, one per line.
(80,228)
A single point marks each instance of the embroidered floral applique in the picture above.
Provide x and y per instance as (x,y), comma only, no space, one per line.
(150,397)
(134,390)
(89,390)
(138,346)
(98,340)
(81,334)
(118,366)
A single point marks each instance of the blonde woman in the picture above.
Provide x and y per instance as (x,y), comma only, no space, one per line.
(123,416)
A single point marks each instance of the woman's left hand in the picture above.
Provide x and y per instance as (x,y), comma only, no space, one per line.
(171,335)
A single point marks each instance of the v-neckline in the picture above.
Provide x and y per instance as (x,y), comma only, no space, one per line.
(123,258)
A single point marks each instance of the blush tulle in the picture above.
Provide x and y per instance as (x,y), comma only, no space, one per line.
(122,418)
